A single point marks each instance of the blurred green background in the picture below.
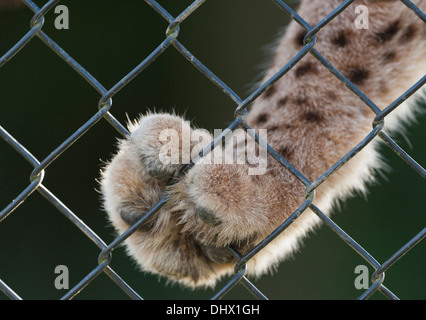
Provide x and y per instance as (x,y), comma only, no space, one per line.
(43,101)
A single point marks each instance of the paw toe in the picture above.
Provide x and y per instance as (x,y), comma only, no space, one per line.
(158,172)
(131,218)
(217,254)
(207,216)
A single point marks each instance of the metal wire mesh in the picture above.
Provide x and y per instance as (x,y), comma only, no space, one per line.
(104,105)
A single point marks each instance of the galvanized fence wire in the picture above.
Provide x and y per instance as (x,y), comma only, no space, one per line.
(104,106)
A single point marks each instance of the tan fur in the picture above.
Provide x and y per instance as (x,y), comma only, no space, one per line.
(312,121)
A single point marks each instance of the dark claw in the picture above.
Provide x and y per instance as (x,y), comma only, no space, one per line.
(207,216)
(157,173)
(217,254)
(131,218)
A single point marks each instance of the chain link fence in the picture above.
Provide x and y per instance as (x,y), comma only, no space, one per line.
(172,42)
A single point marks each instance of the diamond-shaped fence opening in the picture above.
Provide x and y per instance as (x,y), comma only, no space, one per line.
(41,166)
